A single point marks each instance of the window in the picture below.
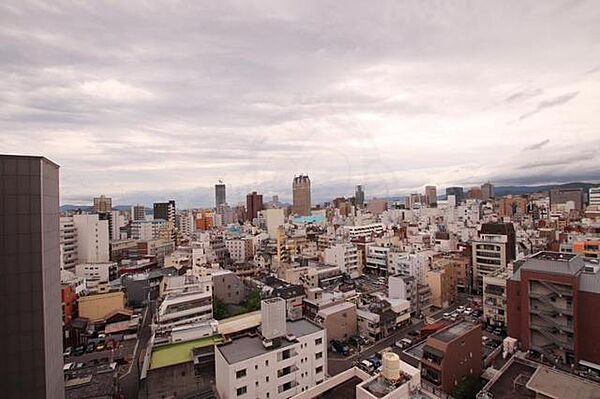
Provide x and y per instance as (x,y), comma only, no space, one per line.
(319,369)
(318,355)
(266,363)
(242,391)
(240,373)
(318,341)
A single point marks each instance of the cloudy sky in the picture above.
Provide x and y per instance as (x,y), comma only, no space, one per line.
(150,100)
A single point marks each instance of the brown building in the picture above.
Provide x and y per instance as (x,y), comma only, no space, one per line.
(560,196)
(102,204)
(475,193)
(552,307)
(431,196)
(339,320)
(442,281)
(228,287)
(512,206)
(451,355)
(301,202)
(204,221)
(254,203)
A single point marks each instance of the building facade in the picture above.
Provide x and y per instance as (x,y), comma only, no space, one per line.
(301,201)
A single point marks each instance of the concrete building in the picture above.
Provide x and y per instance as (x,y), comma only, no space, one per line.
(138,212)
(451,355)
(96,307)
(228,287)
(240,249)
(377,206)
(442,281)
(31,353)
(404,287)
(594,197)
(287,359)
(102,204)
(552,303)
(344,256)
(254,204)
(92,239)
(97,275)
(365,230)
(457,192)
(340,320)
(147,229)
(431,196)
(494,298)
(561,197)
(301,201)
(511,206)
(359,196)
(275,218)
(495,247)
(165,211)
(68,243)
(488,191)
(220,194)
(376,260)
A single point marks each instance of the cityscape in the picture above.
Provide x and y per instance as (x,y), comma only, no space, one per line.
(299,200)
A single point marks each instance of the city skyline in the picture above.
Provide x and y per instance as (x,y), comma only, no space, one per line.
(409,96)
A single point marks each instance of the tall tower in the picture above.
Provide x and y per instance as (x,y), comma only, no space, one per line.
(431,196)
(31,349)
(488,191)
(254,203)
(165,210)
(102,204)
(301,195)
(220,196)
(359,196)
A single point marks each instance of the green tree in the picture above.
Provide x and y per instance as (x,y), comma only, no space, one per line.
(220,310)
(468,389)
(252,303)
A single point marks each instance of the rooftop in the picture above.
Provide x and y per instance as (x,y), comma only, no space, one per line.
(457,330)
(247,347)
(239,323)
(557,384)
(173,354)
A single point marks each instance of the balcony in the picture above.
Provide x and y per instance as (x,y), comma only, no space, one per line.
(553,335)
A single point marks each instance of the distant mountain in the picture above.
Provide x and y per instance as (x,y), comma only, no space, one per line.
(518,190)
(89,208)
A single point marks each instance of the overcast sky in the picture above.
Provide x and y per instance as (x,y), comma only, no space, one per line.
(150,100)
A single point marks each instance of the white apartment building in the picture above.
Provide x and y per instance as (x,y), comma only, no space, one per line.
(97,275)
(376,260)
(344,256)
(147,229)
(594,197)
(365,230)
(92,239)
(68,243)
(240,249)
(408,264)
(494,298)
(274,218)
(287,359)
(117,220)
(184,308)
(489,256)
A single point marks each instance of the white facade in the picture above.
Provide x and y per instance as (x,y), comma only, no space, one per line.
(489,256)
(117,221)
(240,249)
(274,219)
(97,275)
(594,199)
(92,239)
(408,264)
(376,259)
(147,229)
(68,243)
(365,230)
(344,256)
(246,369)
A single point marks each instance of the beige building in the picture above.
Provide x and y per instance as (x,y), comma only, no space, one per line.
(102,204)
(442,281)
(96,307)
(340,321)
(494,298)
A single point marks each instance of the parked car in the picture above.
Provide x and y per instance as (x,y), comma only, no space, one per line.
(404,343)
(413,333)
(90,347)
(489,328)
(340,347)
(375,361)
(367,366)
(68,351)
(498,331)
(446,316)
(460,309)
(100,346)
(79,350)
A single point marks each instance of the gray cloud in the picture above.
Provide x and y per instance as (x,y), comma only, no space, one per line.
(523,94)
(537,146)
(553,102)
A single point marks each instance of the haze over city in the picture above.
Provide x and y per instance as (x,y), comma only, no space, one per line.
(145,101)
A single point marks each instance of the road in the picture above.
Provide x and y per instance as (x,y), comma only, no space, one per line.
(337,364)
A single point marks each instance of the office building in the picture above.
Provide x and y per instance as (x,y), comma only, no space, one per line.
(220,194)
(254,204)
(92,238)
(165,211)
(288,358)
(552,305)
(31,349)
(492,250)
(301,202)
(359,196)
(475,193)
(451,355)
(431,196)
(567,198)
(102,204)
(457,192)
(344,256)
(594,197)
(494,298)
(138,212)
(68,243)
(488,191)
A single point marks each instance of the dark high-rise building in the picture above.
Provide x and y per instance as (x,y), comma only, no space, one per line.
(254,203)
(31,331)
(457,192)
(165,211)
(560,196)
(488,191)
(359,196)
(138,212)
(431,196)
(301,196)
(220,195)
